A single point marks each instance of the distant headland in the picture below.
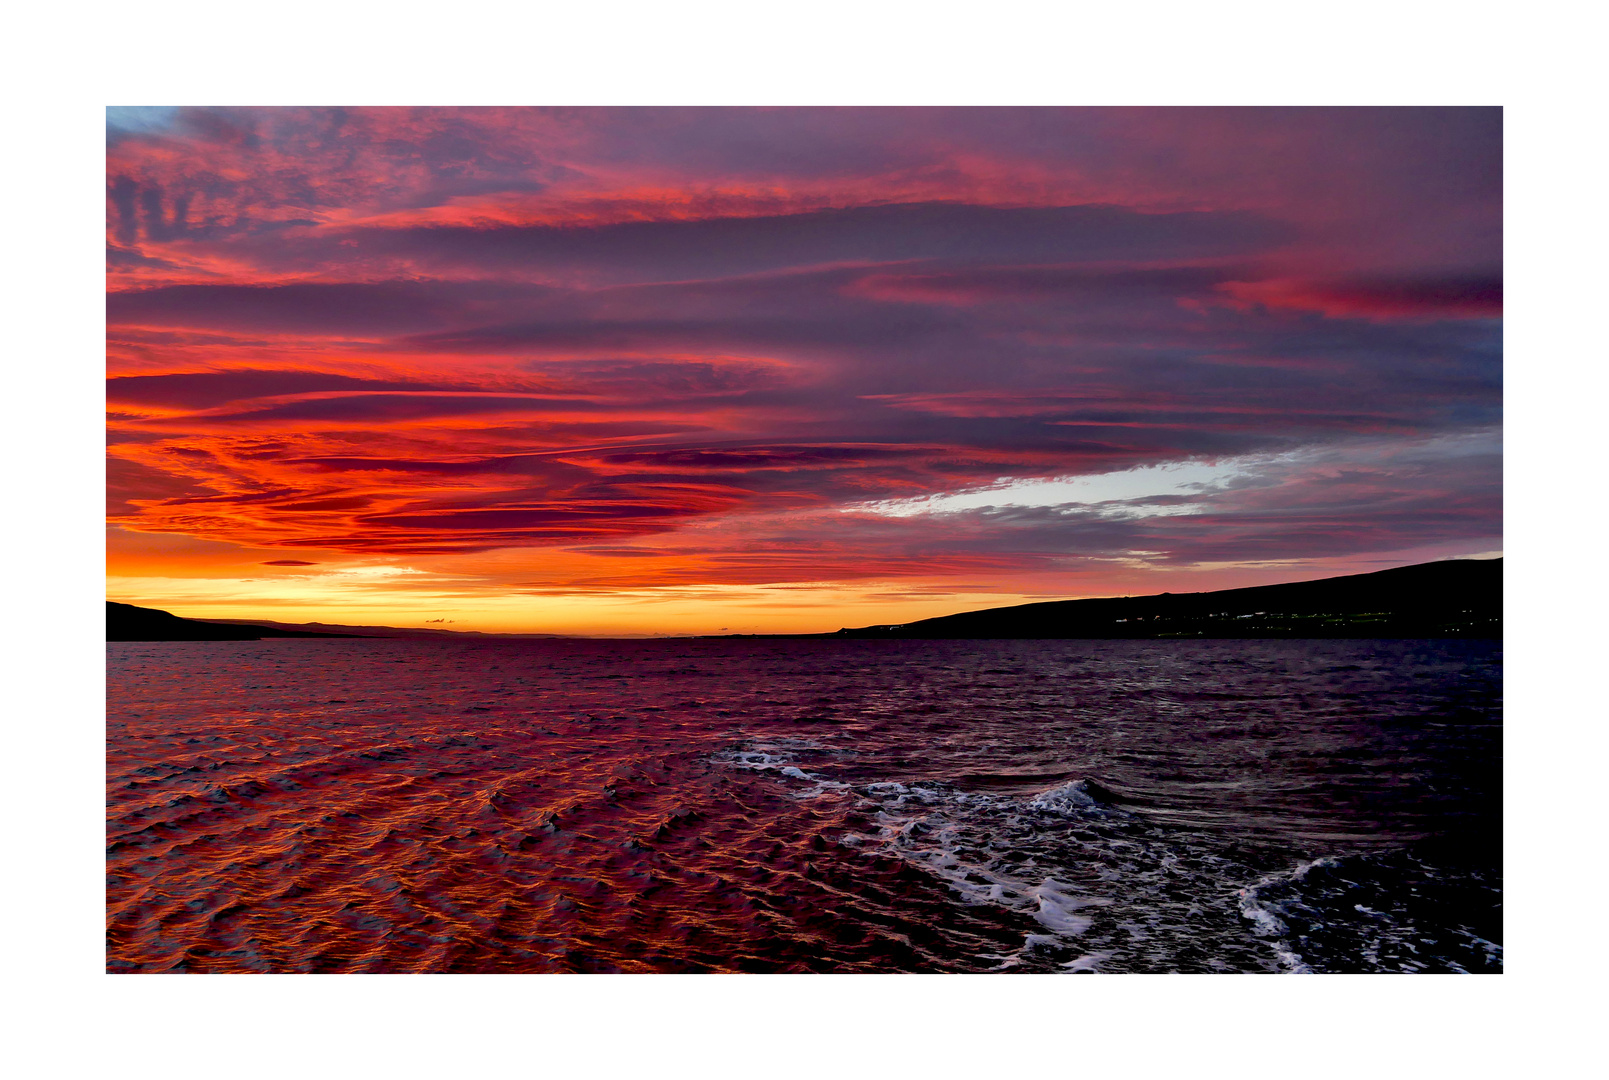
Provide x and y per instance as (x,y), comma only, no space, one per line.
(1454,598)
(1460,597)
(126,622)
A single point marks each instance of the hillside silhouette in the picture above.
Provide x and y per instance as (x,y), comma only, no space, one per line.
(125,622)
(1453,598)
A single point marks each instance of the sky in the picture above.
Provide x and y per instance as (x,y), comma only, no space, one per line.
(648,371)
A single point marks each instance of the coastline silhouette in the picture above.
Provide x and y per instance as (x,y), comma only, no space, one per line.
(1453,598)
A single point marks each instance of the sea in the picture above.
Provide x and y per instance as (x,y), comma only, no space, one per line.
(804,805)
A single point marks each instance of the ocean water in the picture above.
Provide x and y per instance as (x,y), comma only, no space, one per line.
(758,805)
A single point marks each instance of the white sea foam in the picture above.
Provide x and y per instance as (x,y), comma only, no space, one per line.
(1087,962)
(1302,913)
(1068,797)
(1024,854)
(770,757)
(937,829)
(1058,908)
(1266,915)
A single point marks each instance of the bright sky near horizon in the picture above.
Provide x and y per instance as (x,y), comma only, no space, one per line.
(765,370)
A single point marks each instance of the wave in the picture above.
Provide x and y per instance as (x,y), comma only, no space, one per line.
(749,807)
(1102,884)
(1370,913)
(1062,857)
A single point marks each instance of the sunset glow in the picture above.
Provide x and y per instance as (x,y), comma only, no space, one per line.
(646,371)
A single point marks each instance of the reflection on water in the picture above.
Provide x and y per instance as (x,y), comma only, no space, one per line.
(765,805)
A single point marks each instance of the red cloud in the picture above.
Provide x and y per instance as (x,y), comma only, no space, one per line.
(1422,298)
(440,331)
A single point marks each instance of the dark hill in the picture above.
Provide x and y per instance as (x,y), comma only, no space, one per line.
(1455,598)
(125,622)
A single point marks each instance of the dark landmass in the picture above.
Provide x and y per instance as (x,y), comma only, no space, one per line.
(125,622)
(1458,598)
